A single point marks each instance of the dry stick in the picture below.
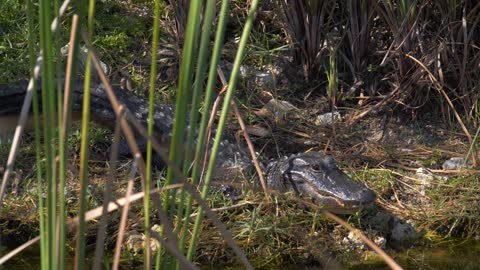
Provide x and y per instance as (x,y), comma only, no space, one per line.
(172,240)
(132,144)
(27,101)
(246,136)
(101,232)
(440,89)
(63,131)
(367,111)
(19,249)
(123,219)
(119,203)
(91,215)
(26,108)
(217,102)
(226,208)
(250,148)
(367,241)
(141,164)
(371,244)
(192,190)
(68,74)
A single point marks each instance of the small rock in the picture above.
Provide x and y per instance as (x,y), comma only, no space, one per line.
(381,242)
(82,58)
(154,244)
(353,240)
(426,176)
(403,234)
(456,163)
(380,221)
(134,243)
(267,76)
(327,119)
(126,83)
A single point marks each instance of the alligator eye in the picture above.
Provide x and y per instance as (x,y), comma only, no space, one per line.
(316,167)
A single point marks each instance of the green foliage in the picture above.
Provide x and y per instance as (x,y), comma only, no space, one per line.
(98,136)
(308,24)
(116,41)
(13,45)
(119,32)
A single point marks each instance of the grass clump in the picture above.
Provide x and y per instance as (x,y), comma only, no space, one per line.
(13,45)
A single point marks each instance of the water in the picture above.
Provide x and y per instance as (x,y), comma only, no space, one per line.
(449,255)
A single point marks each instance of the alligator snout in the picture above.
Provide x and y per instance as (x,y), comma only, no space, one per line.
(367,196)
(317,176)
(362,197)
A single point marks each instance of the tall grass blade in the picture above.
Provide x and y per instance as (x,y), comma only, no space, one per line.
(153,75)
(186,70)
(194,113)
(32,38)
(223,117)
(48,110)
(84,146)
(63,127)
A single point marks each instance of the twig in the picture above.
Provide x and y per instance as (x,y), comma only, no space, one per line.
(123,219)
(246,136)
(19,130)
(91,215)
(26,107)
(177,172)
(226,208)
(440,89)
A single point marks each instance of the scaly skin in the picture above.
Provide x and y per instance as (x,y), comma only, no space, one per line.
(307,174)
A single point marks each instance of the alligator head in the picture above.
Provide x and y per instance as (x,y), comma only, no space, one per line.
(315,175)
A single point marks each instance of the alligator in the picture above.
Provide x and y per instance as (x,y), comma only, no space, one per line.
(309,174)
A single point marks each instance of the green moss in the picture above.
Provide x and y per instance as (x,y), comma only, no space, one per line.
(118,29)
(114,41)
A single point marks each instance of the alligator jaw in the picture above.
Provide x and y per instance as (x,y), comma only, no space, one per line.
(317,176)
